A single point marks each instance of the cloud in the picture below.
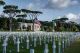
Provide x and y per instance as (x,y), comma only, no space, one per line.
(33,6)
(73,17)
(75,2)
(61,3)
(30,6)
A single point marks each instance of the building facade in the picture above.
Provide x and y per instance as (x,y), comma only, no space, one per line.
(29,26)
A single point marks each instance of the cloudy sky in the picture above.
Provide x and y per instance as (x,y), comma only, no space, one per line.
(51,8)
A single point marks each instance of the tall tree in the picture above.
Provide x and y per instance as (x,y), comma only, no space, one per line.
(60,23)
(2,2)
(34,15)
(11,10)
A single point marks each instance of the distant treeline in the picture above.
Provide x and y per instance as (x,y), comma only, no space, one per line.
(61,25)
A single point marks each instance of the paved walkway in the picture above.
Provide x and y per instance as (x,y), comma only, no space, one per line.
(74,48)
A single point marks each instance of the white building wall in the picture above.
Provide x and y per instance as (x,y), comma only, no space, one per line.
(36,26)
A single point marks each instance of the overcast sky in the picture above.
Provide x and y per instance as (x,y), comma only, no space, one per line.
(51,8)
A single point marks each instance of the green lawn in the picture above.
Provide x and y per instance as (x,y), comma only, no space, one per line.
(74,48)
(39,49)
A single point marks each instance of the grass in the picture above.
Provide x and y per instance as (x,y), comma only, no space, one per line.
(74,48)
